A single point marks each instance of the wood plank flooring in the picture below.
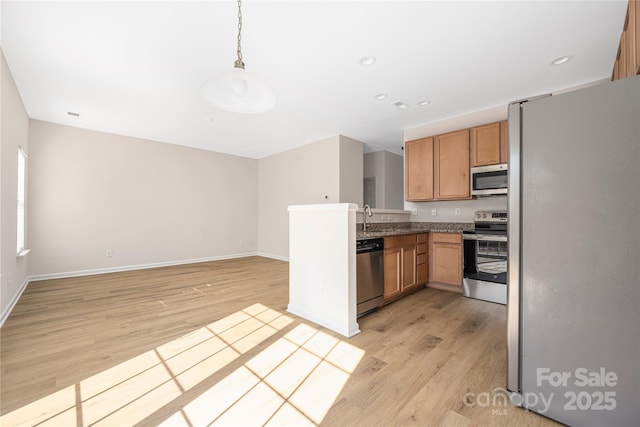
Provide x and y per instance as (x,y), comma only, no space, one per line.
(212,343)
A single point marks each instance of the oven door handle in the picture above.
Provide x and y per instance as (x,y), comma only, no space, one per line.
(485,237)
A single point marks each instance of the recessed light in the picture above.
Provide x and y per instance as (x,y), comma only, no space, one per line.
(365,61)
(381,96)
(424,102)
(401,105)
(72,113)
(560,60)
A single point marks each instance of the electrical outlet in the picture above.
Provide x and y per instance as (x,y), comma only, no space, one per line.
(414,211)
(109,253)
(434,212)
(457,211)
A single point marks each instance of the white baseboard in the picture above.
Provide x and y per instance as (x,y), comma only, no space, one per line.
(134,267)
(344,330)
(5,314)
(272,256)
(7,311)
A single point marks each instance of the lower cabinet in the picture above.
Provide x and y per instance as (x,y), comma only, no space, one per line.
(446,258)
(405,264)
(392,271)
(422,266)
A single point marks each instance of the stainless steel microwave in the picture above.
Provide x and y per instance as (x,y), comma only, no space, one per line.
(490,180)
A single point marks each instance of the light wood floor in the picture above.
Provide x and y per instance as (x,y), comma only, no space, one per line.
(212,342)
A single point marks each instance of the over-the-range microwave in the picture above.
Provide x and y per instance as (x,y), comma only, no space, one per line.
(490,180)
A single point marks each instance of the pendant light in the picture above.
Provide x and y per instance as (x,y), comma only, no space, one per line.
(237,90)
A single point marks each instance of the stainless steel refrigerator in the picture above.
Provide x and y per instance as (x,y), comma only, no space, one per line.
(574,255)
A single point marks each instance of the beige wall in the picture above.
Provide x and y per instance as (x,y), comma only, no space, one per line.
(455,123)
(14,132)
(388,170)
(149,202)
(351,171)
(394,181)
(304,175)
(327,171)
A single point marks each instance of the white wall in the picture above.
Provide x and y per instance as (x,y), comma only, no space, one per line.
(149,202)
(311,174)
(388,170)
(322,265)
(445,210)
(456,123)
(14,132)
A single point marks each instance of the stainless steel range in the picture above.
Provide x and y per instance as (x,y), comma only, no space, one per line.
(485,257)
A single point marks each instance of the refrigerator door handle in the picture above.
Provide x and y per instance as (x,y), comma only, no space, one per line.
(514,246)
(513,250)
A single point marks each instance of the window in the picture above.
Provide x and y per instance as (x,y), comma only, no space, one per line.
(22,179)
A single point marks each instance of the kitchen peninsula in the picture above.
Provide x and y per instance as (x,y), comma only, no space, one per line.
(322,259)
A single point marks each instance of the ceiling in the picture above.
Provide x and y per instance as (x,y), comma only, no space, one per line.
(136,68)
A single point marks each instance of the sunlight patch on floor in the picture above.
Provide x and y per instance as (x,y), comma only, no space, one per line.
(294,381)
(132,390)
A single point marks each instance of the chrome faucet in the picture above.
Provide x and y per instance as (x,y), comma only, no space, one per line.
(364,216)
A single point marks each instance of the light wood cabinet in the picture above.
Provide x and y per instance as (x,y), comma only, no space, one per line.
(630,39)
(489,144)
(392,271)
(627,62)
(451,166)
(634,14)
(422,265)
(404,260)
(409,266)
(418,171)
(446,258)
(504,141)
(485,145)
(438,168)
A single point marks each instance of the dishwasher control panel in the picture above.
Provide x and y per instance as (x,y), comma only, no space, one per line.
(368,245)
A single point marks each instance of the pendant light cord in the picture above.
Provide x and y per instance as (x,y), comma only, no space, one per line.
(237,90)
(239,63)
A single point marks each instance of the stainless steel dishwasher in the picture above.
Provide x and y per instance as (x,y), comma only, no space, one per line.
(370,274)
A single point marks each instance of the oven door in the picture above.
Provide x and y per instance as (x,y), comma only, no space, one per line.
(485,267)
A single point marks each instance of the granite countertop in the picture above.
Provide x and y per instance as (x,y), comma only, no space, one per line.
(399,228)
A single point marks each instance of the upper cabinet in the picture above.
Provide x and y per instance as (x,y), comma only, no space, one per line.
(504,141)
(489,145)
(418,169)
(485,145)
(451,166)
(636,29)
(437,168)
(627,62)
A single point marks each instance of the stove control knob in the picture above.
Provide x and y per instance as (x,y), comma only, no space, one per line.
(484,215)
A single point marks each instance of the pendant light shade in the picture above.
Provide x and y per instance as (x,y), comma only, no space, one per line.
(237,90)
